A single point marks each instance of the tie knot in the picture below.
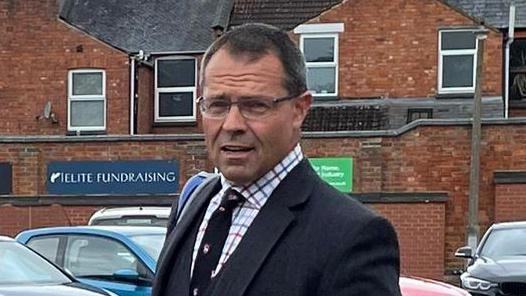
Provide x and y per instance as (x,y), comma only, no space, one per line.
(232,199)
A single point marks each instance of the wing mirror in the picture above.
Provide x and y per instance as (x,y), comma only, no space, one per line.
(464,252)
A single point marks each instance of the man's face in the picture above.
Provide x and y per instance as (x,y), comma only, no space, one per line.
(245,149)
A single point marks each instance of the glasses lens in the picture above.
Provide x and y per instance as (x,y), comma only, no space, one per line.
(255,108)
(215,108)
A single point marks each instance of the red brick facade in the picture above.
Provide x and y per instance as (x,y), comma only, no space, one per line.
(510,202)
(36,53)
(425,159)
(390,48)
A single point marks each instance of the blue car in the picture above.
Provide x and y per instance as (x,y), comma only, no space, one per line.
(120,259)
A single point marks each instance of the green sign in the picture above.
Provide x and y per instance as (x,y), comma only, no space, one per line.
(335,171)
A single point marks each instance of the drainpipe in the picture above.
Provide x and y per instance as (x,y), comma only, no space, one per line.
(511,33)
(132,95)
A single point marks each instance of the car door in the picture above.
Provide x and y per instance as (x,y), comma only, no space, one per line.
(95,260)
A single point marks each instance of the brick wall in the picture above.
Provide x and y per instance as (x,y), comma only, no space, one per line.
(16,219)
(390,48)
(420,229)
(510,202)
(428,158)
(36,53)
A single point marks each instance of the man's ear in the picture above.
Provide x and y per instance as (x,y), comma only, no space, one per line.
(301,108)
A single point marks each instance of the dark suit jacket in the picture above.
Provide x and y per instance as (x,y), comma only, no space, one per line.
(308,239)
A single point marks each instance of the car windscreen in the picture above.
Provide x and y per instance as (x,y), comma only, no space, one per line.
(151,243)
(20,266)
(505,242)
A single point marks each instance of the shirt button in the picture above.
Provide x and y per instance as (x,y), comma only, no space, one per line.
(222,209)
(195,292)
(206,248)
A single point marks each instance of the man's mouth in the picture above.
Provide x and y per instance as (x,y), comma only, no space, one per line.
(234,148)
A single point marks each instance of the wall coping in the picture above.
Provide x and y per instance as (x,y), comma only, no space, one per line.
(401,197)
(509,177)
(306,135)
(166,200)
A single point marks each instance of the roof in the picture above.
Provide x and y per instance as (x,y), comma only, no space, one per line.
(506,225)
(149,25)
(493,12)
(284,14)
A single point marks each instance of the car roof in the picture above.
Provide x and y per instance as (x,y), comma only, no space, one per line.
(118,212)
(4,238)
(119,232)
(514,224)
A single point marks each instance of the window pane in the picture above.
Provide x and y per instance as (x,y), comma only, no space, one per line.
(87,83)
(96,256)
(174,73)
(458,40)
(518,53)
(87,113)
(457,71)
(176,104)
(318,49)
(47,246)
(321,80)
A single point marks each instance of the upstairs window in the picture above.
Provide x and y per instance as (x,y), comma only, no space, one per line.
(319,44)
(321,56)
(457,61)
(86,100)
(175,89)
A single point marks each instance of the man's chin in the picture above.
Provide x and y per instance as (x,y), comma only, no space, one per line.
(239,175)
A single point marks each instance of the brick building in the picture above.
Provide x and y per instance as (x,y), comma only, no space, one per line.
(105,84)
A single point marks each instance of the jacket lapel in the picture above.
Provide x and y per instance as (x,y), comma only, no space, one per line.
(175,239)
(266,230)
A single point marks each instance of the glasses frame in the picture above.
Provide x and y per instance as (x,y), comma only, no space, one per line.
(273,101)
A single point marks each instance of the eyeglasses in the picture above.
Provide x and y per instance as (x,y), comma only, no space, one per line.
(250,108)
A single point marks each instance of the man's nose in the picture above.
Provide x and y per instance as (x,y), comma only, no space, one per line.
(234,120)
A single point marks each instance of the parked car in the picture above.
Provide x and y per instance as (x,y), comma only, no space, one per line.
(139,216)
(415,286)
(498,266)
(24,272)
(121,259)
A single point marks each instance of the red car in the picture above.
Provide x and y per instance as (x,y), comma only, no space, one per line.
(415,286)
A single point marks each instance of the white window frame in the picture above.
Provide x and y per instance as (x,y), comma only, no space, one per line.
(78,98)
(159,90)
(323,64)
(452,52)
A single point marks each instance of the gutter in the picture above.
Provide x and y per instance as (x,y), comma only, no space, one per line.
(509,41)
(132,95)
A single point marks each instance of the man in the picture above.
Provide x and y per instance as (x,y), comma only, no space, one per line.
(287,232)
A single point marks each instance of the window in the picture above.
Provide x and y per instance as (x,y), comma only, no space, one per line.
(175,89)
(321,56)
(457,61)
(419,113)
(86,100)
(319,44)
(517,82)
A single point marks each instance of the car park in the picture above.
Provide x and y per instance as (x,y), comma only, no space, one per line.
(138,216)
(24,272)
(121,259)
(498,266)
(416,286)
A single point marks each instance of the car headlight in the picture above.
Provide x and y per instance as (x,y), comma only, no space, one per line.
(474,283)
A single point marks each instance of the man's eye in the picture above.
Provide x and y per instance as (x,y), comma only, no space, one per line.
(218,104)
(257,105)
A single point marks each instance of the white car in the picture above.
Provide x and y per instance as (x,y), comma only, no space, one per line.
(143,216)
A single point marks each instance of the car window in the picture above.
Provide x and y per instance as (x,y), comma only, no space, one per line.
(20,266)
(47,246)
(151,243)
(505,242)
(93,256)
